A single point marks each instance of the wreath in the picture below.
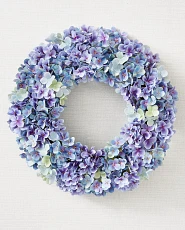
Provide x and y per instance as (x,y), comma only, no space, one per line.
(45,80)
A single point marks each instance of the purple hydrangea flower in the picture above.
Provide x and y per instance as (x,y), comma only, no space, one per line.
(149,142)
(163,127)
(121,181)
(96,187)
(17,121)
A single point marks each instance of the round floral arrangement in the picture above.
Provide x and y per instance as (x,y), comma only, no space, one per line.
(45,80)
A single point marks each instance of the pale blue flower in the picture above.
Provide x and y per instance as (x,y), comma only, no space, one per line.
(147,158)
(113,151)
(87,181)
(41,106)
(117,142)
(106,183)
(162,74)
(131,113)
(158,92)
(116,65)
(47,79)
(44,150)
(32,140)
(63,91)
(138,71)
(66,43)
(53,136)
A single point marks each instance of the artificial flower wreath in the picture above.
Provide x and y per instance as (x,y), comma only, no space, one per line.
(43,84)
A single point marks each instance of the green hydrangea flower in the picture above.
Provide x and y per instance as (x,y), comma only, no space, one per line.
(152,111)
(46,161)
(99,174)
(55,85)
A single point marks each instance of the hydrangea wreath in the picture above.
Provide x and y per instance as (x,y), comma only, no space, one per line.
(43,84)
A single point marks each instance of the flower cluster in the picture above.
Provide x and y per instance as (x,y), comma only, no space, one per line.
(45,80)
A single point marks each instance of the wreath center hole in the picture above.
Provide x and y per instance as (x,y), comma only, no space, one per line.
(94,114)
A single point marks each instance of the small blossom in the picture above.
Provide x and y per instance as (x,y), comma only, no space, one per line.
(96,187)
(106,183)
(162,74)
(53,136)
(66,43)
(147,158)
(149,142)
(131,113)
(138,71)
(141,115)
(113,151)
(152,111)
(55,85)
(47,79)
(87,181)
(46,161)
(123,75)
(117,164)
(138,152)
(63,91)
(121,181)
(44,150)
(41,106)
(158,92)
(32,140)
(163,127)
(17,121)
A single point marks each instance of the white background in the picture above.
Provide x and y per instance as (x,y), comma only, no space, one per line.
(94,116)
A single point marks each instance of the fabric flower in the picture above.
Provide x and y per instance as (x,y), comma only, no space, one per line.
(138,152)
(141,115)
(121,181)
(113,151)
(87,181)
(116,164)
(47,79)
(147,158)
(32,140)
(63,91)
(66,43)
(46,161)
(17,121)
(53,136)
(130,112)
(44,150)
(116,65)
(117,142)
(123,75)
(149,142)
(152,111)
(106,183)
(158,92)
(96,187)
(55,85)
(41,106)
(138,71)
(163,127)
(162,74)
